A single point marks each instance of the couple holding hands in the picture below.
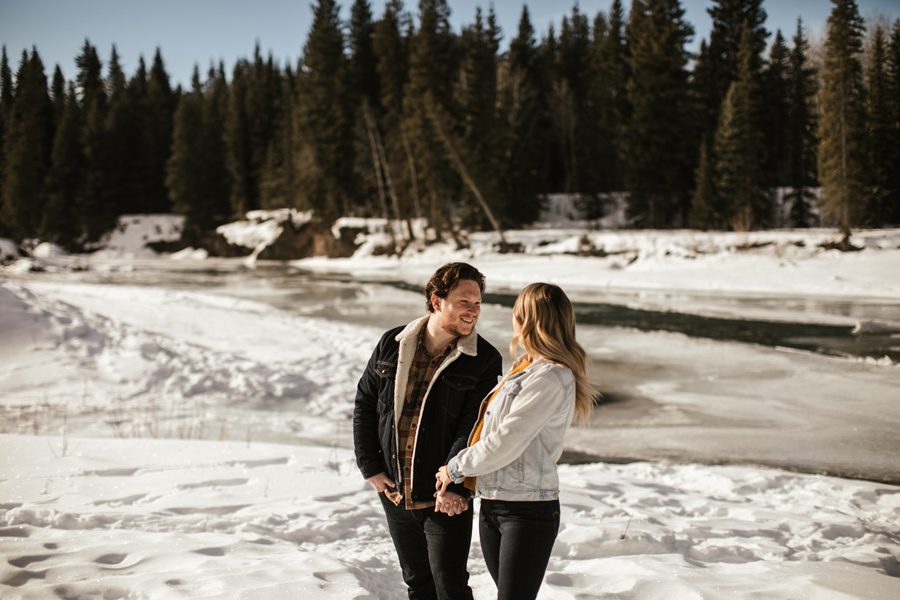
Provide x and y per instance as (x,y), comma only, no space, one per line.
(434,423)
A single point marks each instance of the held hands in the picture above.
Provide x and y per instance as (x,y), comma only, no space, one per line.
(447,502)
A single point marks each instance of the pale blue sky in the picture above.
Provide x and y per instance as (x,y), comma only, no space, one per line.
(204,31)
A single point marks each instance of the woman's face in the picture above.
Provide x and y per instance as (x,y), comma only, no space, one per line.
(516,326)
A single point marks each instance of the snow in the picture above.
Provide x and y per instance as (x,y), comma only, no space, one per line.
(8,250)
(190,254)
(260,229)
(163,442)
(651,267)
(131,235)
(773,262)
(250,234)
(174,518)
(48,250)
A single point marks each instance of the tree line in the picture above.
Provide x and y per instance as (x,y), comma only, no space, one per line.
(404,118)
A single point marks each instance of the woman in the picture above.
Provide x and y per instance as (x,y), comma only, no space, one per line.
(518,438)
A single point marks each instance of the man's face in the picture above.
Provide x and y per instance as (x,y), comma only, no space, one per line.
(458,312)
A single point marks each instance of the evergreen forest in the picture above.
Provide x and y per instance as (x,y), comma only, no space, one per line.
(397,115)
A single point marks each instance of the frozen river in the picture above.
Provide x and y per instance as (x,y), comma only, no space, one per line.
(681,388)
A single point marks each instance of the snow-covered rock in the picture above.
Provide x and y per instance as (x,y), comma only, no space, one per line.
(48,250)
(133,233)
(8,250)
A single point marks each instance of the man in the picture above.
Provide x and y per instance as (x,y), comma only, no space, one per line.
(415,406)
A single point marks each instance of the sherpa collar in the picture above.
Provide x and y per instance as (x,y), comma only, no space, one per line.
(467,344)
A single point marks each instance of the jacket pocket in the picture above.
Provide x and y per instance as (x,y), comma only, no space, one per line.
(459,383)
(385,372)
(455,390)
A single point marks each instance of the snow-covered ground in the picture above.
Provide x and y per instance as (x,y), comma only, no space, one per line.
(127,518)
(186,443)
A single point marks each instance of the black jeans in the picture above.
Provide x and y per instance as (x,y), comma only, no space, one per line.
(433,550)
(516,539)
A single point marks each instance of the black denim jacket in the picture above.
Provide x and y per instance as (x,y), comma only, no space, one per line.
(448,412)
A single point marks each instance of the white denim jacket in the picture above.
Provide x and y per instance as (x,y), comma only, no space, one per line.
(522,438)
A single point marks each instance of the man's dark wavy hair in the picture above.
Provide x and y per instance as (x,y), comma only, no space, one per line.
(447,277)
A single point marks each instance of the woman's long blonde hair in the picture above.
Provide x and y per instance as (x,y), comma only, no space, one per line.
(547,329)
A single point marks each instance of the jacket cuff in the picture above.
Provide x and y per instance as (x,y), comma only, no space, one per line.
(460,490)
(454,472)
(371,468)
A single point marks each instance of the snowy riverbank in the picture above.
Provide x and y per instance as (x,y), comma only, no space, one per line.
(163,442)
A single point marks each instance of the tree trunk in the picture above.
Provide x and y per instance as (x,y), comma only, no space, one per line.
(376,164)
(463,172)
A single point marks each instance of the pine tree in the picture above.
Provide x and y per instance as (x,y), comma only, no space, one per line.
(704,92)
(893,65)
(255,109)
(391,48)
(526,129)
(573,115)
(556,100)
(728,17)
(433,67)
(706,212)
(392,59)
(64,183)
(6,86)
(117,159)
(610,95)
(141,172)
(6,102)
(477,100)
(58,95)
(277,186)
(363,64)
(801,140)
(364,100)
(841,125)
(94,216)
(27,149)
(266,107)
(186,171)
(740,150)
(215,115)
(775,101)
(323,124)
(658,148)
(158,108)
(881,133)
(237,141)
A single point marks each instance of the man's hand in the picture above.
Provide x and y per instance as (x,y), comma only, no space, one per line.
(380,482)
(450,504)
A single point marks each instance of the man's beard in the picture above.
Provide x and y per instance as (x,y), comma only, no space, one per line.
(456,328)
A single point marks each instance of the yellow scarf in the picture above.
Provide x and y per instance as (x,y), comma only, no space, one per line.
(479,424)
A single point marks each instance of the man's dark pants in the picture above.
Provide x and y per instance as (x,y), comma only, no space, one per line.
(433,549)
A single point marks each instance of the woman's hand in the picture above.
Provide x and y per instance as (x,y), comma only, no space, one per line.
(442,480)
